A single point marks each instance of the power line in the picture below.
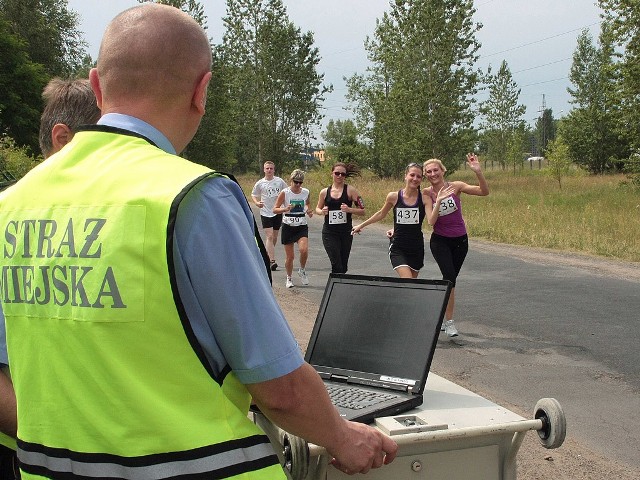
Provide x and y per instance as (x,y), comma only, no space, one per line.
(543,65)
(541,40)
(544,81)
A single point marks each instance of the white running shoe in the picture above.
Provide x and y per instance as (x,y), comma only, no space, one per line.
(450,329)
(303,276)
(289,283)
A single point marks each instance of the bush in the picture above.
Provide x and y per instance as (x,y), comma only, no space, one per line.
(15,161)
(632,169)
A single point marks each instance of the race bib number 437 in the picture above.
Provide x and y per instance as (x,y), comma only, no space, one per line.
(407,216)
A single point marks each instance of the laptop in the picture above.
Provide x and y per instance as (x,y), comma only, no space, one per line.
(376,336)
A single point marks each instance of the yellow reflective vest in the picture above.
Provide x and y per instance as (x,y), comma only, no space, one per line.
(7,441)
(107,371)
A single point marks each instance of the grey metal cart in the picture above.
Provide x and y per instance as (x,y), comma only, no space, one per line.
(454,434)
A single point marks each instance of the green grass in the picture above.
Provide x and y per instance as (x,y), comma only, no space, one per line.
(597,215)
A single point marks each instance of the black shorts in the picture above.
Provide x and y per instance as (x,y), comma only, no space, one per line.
(293,234)
(271,222)
(414,258)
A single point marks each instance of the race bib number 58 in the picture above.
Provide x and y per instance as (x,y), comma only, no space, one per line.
(337,216)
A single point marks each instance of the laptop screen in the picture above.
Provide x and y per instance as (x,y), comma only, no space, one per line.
(380,325)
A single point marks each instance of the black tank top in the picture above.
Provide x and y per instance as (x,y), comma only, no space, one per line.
(407,234)
(336,220)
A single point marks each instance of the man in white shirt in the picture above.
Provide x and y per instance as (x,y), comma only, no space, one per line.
(264,195)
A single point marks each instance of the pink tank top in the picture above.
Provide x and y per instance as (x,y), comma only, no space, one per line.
(450,222)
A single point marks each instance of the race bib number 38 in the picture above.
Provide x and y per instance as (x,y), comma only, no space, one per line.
(407,216)
(447,207)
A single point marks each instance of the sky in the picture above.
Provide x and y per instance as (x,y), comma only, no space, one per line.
(537,38)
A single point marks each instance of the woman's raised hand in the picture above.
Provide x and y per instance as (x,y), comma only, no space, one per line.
(474,163)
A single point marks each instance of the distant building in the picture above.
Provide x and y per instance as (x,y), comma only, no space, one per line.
(319,155)
(311,157)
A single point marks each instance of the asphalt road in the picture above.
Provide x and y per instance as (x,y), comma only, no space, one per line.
(534,323)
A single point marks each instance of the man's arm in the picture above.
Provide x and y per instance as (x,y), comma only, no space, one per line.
(252,336)
(256,195)
(8,411)
(298,403)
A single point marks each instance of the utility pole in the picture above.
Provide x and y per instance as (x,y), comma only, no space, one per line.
(543,143)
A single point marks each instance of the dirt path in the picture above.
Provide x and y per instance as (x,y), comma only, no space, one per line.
(572,460)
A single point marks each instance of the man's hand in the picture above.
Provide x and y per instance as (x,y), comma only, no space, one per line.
(299,404)
(362,449)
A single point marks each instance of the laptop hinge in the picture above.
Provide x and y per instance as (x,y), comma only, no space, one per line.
(339,378)
(379,384)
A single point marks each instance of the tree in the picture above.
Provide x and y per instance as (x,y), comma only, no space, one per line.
(192,7)
(15,162)
(558,160)
(38,39)
(502,116)
(623,19)
(50,32)
(416,99)
(517,146)
(276,89)
(215,143)
(590,129)
(544,131)
(21,84)
(343,144)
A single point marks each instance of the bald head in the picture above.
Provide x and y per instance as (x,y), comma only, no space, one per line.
(152,49)
(151,62)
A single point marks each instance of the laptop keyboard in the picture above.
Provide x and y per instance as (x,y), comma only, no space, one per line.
(356,398)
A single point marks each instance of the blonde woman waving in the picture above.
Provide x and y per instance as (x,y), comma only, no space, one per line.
(449,242)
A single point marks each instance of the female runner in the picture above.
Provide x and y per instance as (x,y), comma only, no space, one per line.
(406,247)
(293,202)
(338,203)
(449,242)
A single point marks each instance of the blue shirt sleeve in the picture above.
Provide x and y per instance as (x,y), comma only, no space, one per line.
(224,286)
(4,358)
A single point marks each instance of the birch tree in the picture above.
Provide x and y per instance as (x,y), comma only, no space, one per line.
(276,88)
(502,115)
(416,99)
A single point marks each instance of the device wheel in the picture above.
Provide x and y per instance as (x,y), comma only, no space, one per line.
(295,456)
(554,423)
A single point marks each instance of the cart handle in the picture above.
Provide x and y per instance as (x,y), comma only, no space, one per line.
(439,435)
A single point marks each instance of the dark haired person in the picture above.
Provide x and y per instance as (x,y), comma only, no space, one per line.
(338,202)
(264,194)
(69,103)
(406,243)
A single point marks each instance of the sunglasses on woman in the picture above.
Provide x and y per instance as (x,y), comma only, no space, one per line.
(340,174)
